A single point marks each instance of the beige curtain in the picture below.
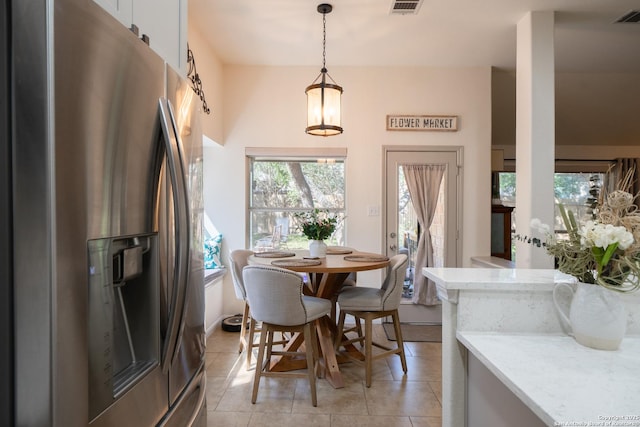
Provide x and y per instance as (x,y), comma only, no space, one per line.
(423,182)
(619,169)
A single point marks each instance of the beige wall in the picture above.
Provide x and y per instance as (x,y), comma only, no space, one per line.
(265,107)
(597,109)
(210,71)
(592,109)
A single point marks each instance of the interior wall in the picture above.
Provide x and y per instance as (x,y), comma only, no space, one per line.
(597,108)
(210,70)
(265,107)
(592,109)
(503,107)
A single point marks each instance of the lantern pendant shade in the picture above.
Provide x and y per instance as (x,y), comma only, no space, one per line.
(323,107)
(324,98)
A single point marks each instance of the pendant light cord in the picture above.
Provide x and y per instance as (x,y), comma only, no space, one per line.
(324,42)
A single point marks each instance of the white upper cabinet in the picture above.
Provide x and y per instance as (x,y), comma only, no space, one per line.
(122,10)
(163,21)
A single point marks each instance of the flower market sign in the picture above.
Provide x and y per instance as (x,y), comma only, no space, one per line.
(433,123)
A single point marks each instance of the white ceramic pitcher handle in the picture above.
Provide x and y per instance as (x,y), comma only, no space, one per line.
(563,314)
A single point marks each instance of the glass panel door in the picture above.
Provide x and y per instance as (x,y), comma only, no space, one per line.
(402,227)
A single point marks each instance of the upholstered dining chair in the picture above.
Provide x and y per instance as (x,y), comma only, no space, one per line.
(373,303)
(276,299)
(238,259)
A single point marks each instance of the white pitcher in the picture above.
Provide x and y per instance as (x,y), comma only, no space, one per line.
(597,316)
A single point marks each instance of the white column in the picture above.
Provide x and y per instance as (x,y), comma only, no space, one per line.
(535,132)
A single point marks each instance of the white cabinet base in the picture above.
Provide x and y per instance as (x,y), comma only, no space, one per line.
(491,403)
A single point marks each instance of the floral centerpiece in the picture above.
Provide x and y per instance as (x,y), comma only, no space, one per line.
(604,250)
(602,253)
(317,224)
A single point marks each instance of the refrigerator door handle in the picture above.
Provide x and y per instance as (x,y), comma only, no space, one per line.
(182,232)
(187,227)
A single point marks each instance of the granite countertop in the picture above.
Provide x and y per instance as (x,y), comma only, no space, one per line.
(561,381)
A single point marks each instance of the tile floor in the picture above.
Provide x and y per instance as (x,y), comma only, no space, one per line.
(394,399)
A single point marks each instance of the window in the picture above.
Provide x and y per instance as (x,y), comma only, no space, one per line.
(577,191)
(281,186)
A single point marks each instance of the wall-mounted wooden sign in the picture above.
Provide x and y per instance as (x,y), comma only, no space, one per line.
(433,123)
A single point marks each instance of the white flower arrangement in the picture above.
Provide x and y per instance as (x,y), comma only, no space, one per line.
(604,251)
(605,236)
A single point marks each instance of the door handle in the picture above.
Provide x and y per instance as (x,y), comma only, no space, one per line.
(392,235)
(393,247)
(182,231)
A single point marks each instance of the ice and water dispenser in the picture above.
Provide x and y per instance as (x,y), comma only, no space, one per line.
(124,331)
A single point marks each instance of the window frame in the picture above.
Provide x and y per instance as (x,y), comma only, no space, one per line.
(278,154)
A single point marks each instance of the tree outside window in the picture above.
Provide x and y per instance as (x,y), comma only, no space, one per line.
(282,187)
(576,191)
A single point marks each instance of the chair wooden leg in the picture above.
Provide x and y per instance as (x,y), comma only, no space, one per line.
(358,327)
(270,334)
(338,339)
(400,343)
(368,349)
(309,340)
(259,364)
(250,339)
(316,351)
(243,331)
(367,341)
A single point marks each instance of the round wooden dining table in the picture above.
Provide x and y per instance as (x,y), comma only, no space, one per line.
(326,276)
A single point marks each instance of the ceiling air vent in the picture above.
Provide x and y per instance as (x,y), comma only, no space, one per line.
(405,7)
(632,17)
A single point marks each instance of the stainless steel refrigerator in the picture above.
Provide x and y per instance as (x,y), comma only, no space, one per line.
(101,280)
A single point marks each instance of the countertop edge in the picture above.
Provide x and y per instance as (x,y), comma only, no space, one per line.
(496,278)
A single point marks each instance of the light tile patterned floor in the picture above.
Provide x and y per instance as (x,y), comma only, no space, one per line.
(394,399)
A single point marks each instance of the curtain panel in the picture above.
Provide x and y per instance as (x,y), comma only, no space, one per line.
(423,182)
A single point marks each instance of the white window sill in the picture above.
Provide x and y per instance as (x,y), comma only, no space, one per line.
(211,275)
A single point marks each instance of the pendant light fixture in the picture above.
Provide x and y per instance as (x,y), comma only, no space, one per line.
(323,98)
